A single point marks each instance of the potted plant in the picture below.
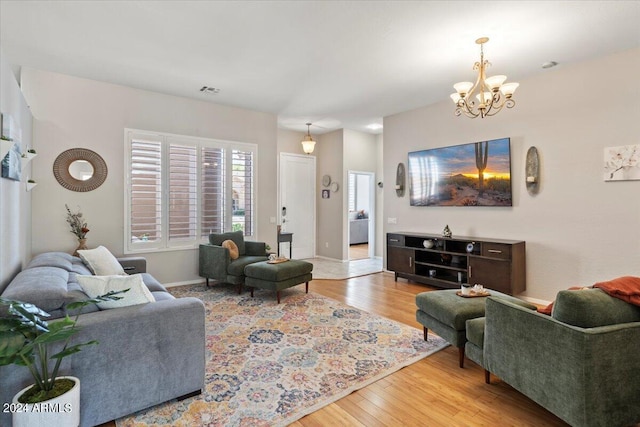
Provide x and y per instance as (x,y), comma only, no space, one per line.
(26,339)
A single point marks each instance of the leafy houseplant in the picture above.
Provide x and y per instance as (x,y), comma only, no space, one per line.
(25,339)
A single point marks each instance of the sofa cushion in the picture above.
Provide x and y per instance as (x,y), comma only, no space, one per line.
(138,293)
(53,259)
(233,249)
(236,267)
(46,287)
(589,308)
(475,331)
(101,261)
(236,236)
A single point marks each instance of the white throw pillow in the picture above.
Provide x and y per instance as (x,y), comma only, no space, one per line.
(101,262)
(138,293)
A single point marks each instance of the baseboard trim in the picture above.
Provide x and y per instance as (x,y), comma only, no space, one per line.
(186,282)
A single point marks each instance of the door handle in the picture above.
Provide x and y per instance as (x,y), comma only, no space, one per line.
(284,211)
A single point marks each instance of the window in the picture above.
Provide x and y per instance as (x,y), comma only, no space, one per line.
(180,189)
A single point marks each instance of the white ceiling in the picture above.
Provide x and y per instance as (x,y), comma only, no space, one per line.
(337,64)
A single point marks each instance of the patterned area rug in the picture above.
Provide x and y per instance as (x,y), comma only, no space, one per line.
(270,364)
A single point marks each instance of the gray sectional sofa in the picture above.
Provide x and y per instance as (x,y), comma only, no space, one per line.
(147,354)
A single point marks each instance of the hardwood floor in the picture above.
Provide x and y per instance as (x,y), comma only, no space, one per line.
(432,392)
(359,251)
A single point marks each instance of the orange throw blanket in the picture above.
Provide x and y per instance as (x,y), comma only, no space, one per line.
(626,288)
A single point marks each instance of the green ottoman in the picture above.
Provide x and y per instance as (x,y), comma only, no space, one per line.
(276,277)
(446,314)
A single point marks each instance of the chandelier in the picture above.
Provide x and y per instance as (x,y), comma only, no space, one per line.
(487,96)
(308,143)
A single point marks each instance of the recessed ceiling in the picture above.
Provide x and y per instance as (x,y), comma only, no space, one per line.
(336,64)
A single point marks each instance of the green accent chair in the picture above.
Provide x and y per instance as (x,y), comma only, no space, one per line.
(216,263)
(582,363)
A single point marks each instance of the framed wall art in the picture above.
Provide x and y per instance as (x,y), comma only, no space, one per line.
(622,163)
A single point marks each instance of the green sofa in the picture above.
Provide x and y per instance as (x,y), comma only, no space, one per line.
(216,263)
(582,363)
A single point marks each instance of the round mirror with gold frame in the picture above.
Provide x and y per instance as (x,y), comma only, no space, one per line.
(80,169)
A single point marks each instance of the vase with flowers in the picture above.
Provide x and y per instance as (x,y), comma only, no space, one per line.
(78,228)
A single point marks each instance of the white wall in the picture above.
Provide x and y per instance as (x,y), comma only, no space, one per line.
(289,141)
(73,112)
(15,201)
(331,216)
(578,229)
(380,240)
(360,154)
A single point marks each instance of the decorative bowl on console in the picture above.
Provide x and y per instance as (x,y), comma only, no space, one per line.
(428,243)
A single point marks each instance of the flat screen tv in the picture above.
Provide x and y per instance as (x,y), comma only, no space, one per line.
(475,174)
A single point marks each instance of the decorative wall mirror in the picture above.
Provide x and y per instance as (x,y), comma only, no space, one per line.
(80,169)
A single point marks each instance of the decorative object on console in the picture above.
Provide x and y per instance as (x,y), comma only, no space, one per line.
(80,169)
(493,94)
(428,243)
(470,247)
(622,163)
(308,143)
(532,171)
(473,174)
(446,232)
(400,180)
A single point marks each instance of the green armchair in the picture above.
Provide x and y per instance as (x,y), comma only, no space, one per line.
(582,363)
(216,263)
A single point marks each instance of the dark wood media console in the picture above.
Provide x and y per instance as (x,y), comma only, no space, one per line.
(493,263)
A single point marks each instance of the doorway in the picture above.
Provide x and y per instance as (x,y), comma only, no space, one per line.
(361,215)
(297,203)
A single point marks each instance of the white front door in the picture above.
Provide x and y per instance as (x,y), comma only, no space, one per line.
(297,210)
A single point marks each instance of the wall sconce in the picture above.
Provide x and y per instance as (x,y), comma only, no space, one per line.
(400,180)
(532,171)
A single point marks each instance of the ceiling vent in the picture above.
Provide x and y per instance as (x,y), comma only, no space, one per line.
(209,90)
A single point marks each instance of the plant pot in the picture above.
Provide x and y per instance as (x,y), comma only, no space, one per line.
(61,411)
